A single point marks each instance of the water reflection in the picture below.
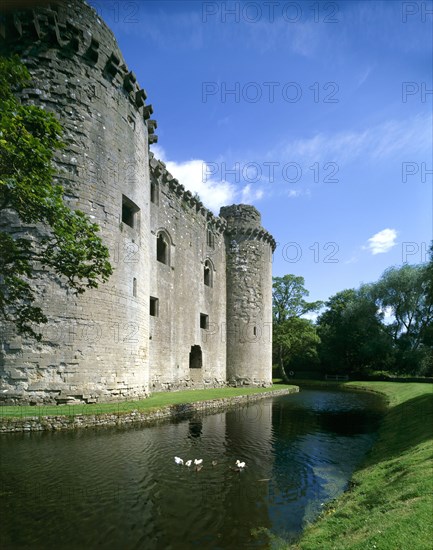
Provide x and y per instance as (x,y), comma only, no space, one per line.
(120,488)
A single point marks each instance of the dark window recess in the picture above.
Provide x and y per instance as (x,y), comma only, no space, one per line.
(204,321)
(162,249)
(255,331)
(207,275)
(195,358)
(134,287)
(210,239)
(154,307)
(154,195)
(129,212)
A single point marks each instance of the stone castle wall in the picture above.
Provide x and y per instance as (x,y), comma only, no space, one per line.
(168,316)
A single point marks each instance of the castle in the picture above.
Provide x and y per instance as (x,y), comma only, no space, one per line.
(189,304)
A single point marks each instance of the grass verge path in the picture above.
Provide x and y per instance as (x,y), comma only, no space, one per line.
(390,504)
(155,401)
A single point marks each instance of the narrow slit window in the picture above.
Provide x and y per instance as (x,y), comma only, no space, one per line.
(210,239)
(204,321)
(134,287)
(154,307)
(154,195)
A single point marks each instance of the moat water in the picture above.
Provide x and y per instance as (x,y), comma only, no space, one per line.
(121,489)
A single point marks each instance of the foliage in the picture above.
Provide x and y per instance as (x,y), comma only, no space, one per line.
(298,341)
(66,242)
(295,339)
(405,292)
(353,338)
(288,295)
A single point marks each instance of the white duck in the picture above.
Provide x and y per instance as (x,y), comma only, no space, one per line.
(178,460)
(198,461)
(188,463)
(240,464)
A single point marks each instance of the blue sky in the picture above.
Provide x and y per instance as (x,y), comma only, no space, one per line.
(318,113)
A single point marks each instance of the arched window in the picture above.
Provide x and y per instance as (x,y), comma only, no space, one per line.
(163,248)
(208,273)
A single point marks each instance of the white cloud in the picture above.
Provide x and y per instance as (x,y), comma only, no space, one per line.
(248,195)
(196,176)
(382,241)
(296,193)
(412,135)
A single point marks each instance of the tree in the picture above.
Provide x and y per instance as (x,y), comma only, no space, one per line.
(407,293)
(353,338)
(66,243)
(429,275)
(294,338)
(288,295)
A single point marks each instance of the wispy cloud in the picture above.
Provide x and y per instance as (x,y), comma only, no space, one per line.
(408,136)
(296,193)
(195,176)
(382,241)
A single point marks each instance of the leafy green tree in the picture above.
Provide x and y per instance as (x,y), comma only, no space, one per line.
(429,275)
(403,290)
(406,292)
(295,339)
(66,243)
(353,337)
(296,342)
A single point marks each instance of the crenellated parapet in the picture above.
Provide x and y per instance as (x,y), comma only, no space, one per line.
(65,26)
(245,220)
(162,177)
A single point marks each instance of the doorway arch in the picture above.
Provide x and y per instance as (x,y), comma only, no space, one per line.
(195,358)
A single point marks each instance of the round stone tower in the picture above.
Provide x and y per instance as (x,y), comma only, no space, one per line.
(95,345)
(249,250)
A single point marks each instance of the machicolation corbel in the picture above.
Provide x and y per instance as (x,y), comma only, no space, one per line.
(129,81)
(140,98)
(112,65)
(147,111)
(92,51)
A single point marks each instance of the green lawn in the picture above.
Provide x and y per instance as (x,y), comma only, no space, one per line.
(390,505)
(155,401)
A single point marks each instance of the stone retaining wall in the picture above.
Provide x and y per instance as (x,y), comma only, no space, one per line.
(118,418)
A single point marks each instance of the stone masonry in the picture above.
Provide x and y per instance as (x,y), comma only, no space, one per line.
(189,303)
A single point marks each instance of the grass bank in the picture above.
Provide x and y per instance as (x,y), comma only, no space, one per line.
(390,503)
(155,401)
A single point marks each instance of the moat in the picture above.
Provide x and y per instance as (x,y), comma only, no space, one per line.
(120,487)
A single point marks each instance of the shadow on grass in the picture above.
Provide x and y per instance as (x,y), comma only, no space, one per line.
(404,426)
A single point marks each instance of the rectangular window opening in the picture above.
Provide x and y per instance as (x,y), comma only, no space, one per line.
(134,287)
(204,321)
(154,307)
(129,212)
